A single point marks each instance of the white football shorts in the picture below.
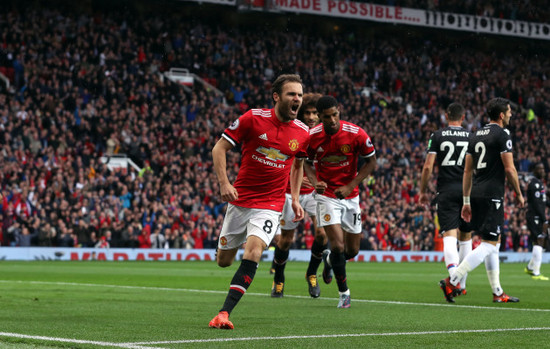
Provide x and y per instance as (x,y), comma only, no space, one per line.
(345,212)
(308,204)
(242,222)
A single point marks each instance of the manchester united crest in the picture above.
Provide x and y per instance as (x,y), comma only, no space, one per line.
(223,241)
(283,222)
(326,217)
(345,148)
(293,144)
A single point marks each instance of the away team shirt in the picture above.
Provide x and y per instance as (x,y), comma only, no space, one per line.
(336,155)
(449,146)
(268,148)
(486,146)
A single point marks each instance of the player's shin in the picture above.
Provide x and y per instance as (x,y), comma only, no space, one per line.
(536,259)
(492,265)
(338,262)
(280,258)
(464,247)
(451,254)
(316,257)
(239,284)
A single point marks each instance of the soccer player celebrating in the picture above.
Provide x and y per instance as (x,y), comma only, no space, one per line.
(309,115)
(447,147)
(536,221)
(273,145)
(490,155)
(335,146)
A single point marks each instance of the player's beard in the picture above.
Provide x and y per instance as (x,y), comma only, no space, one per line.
(287,112)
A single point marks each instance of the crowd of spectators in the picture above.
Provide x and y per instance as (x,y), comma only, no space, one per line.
(90,85)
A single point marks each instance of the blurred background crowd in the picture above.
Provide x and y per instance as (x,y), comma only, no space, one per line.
(86,82)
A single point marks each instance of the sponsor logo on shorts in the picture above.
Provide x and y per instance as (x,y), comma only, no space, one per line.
(326,218)
(223,241)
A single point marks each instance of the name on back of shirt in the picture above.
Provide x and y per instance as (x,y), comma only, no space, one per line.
(483,132)
(455,133)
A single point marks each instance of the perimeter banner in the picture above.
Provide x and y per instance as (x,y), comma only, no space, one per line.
(126,254)
(409,16)
(397,15)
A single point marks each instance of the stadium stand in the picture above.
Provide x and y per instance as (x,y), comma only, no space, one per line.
(89,83)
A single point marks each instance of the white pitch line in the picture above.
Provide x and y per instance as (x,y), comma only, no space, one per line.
(348,335)
(75,341)
(140,345)
(355,300)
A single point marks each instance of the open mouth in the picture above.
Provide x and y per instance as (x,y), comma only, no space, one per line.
(294,108)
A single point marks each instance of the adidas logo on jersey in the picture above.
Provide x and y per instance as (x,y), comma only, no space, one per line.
(263,136)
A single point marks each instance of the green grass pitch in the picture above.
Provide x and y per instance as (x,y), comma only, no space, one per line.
(54,304)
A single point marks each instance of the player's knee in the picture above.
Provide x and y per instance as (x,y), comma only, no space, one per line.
(254,253)
(336,248)
(285,241)
(321,237)
(224,263)
(285,245)
(224,258)
(351,253)
(464,236)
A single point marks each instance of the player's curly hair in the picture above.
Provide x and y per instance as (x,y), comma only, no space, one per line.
(309,100)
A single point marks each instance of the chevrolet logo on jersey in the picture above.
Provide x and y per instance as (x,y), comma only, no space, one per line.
(272,154)
(334,159)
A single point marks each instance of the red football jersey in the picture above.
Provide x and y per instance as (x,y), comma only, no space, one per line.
(268,148)
(303,189)
(336,155)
